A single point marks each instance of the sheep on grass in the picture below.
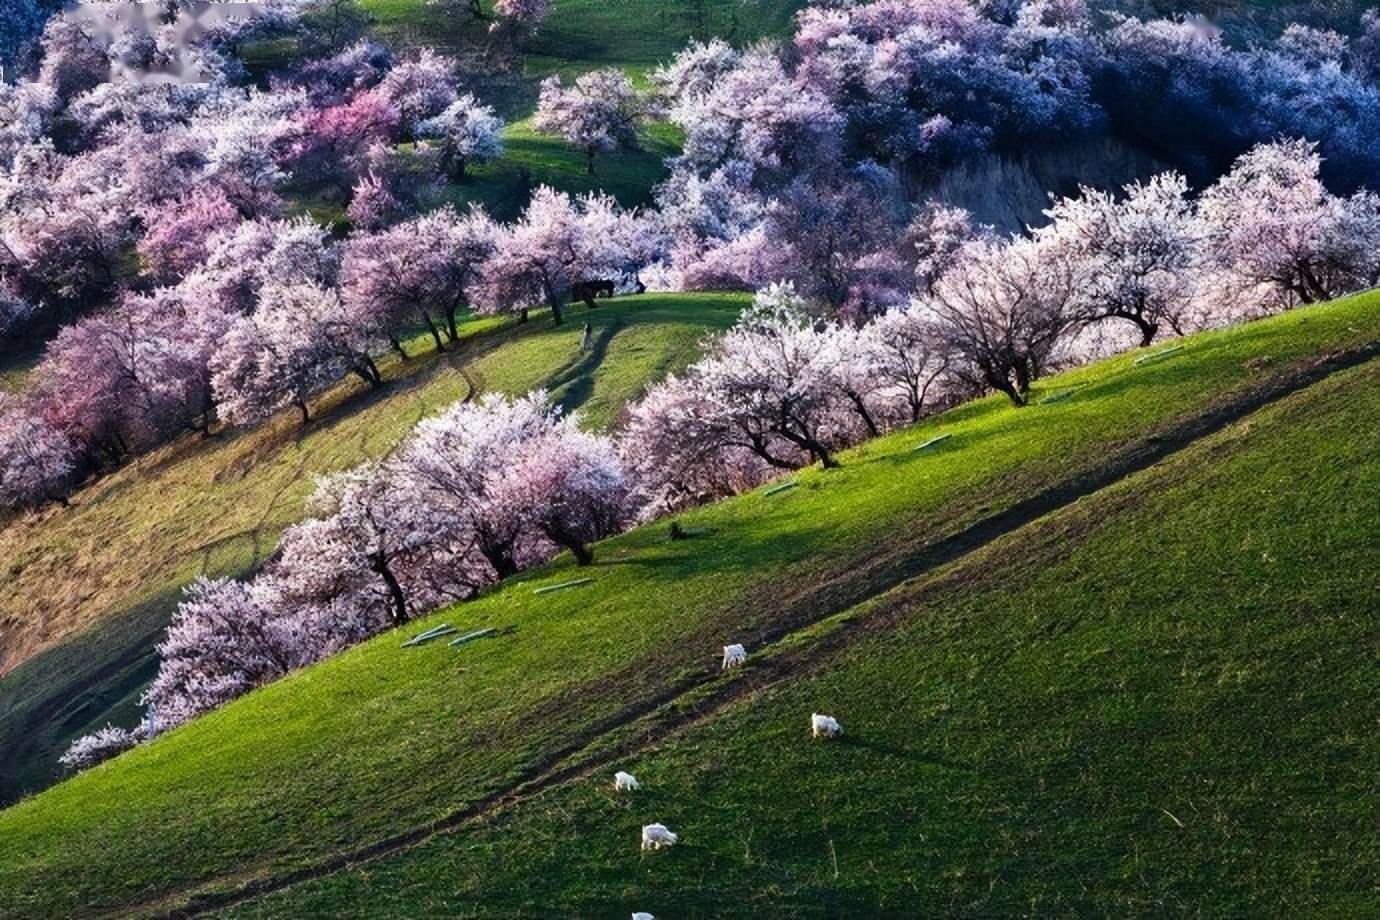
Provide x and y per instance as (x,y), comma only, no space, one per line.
(625,782)
(735,656)
(824,726)
(656,836)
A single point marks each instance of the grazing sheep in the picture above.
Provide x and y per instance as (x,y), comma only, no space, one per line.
(734,657)
(656,836)
(625,782)
(827,726)
(642,915)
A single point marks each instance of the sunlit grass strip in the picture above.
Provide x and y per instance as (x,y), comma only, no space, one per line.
(791,484)
(1158,355)
(562,586)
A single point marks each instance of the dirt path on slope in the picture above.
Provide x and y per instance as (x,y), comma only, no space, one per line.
(890,581)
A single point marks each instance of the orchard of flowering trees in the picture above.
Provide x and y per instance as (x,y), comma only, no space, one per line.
(474,494)
(143,227)
(146,233)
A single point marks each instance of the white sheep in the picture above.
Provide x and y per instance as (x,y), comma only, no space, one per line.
(656,836)
(827,726)
(625,782)
(642,915)
(734,656)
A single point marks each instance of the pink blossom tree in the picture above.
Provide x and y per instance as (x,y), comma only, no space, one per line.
(419,88)
(369,544)
(1271,222)
(571,488)
(36,460)
(176,233)
(334,141)
(223,641)
(516,478)
(460,462)
(680,452)
(908,362)
(97,747)
(300,338)
(373,205)
(557,243)
(425,263)
(515,20)
(72,61)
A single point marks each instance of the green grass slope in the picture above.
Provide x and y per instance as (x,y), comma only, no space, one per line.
(583,34)
(81,610)
(580,35)
(375,747)
(1157,701)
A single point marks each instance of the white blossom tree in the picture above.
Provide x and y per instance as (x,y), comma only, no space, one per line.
(599,113)
(1138,258)
(1270,221)
(1000,311)
(468,132)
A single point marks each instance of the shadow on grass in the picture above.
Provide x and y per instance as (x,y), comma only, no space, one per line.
(74,688)
(573,386)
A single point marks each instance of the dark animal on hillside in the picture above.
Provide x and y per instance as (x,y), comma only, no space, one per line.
(588,290)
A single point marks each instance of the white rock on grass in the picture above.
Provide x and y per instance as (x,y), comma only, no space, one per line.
(735,656)
(824,726)
(656,836)
(625,782)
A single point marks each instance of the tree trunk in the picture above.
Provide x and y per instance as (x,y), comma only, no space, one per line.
(1023,377)
(368,371)
(582,553)
(861,406)
(522,315)
(589,162)
(761,451)
(435,333)
(1003,385)
(501,558)
(1147,331)
(451,329)
(379,563)
(397,346)
(302,406)
(556,316)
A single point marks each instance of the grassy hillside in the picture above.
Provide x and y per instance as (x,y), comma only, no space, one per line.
(1145,704)
(93,605)
(376,747)
(582,34)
